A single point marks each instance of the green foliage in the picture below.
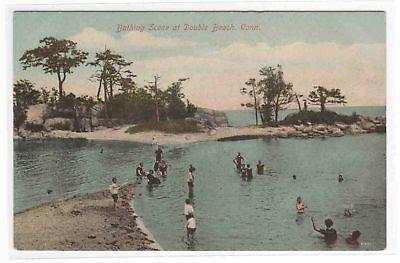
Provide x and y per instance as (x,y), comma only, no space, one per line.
(24,96)
(270,94)
(323,96)
(165,126)
(324,117)
(55,56)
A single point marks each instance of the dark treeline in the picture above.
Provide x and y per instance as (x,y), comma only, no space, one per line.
(270,93)
(119,96)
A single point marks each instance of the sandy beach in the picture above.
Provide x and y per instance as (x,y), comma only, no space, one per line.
(219,133)
(86,222)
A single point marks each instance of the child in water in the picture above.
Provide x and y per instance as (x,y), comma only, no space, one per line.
(353,238)
(329,232)
(114,189)
(300,206)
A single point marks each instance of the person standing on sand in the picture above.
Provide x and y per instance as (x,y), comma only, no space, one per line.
(114,189)
(189,210)
(329,232)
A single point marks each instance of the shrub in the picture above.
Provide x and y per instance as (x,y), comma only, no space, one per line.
(325,117)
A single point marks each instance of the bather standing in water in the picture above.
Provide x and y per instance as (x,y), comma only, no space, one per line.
(190,180)
(340,178)
(329,232)
(300,206)
(353,238)
(189,210)
(238,161)
(158,154)
(249,172)
(260,167)
(139,172)
(192,168)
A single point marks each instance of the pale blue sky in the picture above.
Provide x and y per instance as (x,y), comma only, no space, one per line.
(278,29)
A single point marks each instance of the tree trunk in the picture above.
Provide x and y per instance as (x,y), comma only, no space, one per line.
(323,107)
(255,105)
(276,115)
(298,103)
(261,116)
(99,89)
(106,104)
(60,88)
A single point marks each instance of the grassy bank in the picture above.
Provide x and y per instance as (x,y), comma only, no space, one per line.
(165,126)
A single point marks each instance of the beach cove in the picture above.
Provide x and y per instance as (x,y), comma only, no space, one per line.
(83,222)
(268,200)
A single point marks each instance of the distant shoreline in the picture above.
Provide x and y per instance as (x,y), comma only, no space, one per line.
(219,133)
(83,222)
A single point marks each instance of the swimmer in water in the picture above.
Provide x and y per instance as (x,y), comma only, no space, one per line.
(260,167)
(328,232)
(294,177)
(340,178)
(238,161)
(347,212)
(300,207)
(353,238)
(139,171)
(249,172)
(190,180)
(188,211)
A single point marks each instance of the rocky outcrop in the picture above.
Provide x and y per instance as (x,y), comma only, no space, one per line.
(58,123)
(36,114)
(210,119)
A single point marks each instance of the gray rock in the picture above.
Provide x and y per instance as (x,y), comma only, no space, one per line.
(366,124)
(36,114)
(59,124)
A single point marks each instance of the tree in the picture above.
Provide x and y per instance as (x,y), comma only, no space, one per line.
(173,95)
(156,94)
(55,56)
(322,96)
(254,92)
(277,94)
(24,96)
(112,70)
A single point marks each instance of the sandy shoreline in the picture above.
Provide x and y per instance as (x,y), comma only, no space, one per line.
(84,222)
(218,134)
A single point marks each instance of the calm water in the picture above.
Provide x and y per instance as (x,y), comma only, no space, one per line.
(231,214)
(238,118)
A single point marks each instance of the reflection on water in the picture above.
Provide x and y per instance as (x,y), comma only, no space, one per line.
(231,214)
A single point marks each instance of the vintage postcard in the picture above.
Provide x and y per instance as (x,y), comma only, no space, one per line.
(199,130)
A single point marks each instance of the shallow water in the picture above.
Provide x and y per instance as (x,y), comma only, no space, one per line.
(260,215)
(231,214)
